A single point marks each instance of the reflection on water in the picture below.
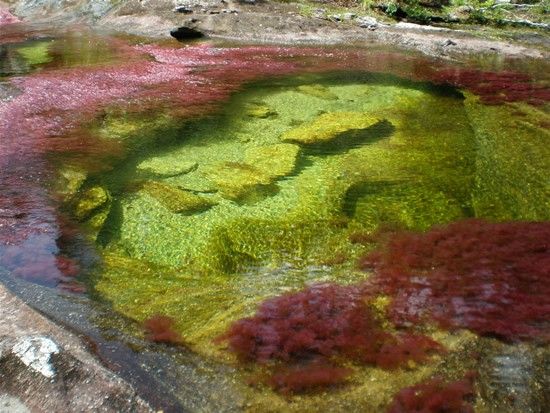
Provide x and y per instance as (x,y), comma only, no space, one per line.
(185,186)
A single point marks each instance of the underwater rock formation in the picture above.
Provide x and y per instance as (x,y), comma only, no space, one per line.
(177,200)
(89,201)
(491,278)
(328,126)
(260,111)
(164,167)
(274,161)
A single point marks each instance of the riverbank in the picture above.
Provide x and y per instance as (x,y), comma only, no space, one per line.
(279,23)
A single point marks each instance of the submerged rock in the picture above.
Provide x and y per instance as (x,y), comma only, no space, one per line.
(91,200)
(177,200)
(328,126)
(318,91)
(70,181)
(235,179)
(166,166)
(260,110)
(273,160)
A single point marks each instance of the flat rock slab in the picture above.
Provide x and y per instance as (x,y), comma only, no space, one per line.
(44,368)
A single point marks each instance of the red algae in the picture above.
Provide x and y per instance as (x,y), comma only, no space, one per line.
(435,396)
(322,323)
(160,329)
(495,88)
(490,278)
(7,18)
(304,379)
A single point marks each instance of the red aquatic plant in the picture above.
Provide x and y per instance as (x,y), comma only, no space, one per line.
(7,18)
(491,278)
(322,321)
(307,378)
(435,396)
(160,329)
(495,88)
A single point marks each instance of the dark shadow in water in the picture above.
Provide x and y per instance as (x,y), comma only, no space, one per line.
(362,189)
(351,139)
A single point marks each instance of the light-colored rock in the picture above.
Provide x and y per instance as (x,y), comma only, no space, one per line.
(35,352)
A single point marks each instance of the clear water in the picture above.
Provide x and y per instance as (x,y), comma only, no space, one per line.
(197,182)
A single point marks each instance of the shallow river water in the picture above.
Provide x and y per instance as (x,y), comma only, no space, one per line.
(262,228)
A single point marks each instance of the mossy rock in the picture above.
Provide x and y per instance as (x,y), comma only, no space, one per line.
(92,199)
(273,160)
(260,111)
(318,91)
(166,166)
(236,180)
(329,126)
(70,181)
(177,200)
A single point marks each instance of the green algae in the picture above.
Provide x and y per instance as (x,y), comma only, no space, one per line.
(280,215)
(512,161)
(89,201)
(37,53)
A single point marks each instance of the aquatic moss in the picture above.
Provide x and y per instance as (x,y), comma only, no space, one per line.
(318,91)
(512,161)
(37,53)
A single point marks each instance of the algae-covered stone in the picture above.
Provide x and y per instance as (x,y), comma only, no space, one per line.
(328,126)
(318,91)
(235,180)
(166,166)
(273,160)
(260,111)
(177,200)
(70,181)
(91,200)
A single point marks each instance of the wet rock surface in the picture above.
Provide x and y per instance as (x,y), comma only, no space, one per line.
(267,22)
(45,368)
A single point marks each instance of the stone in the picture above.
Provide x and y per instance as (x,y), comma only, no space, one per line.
(319,91)
(177,200)
(328,126)
(186,33)
(235,180)
(166,166)
(259,110)
(273,160)
(35,352)
(70,181)
(91,200)
(367,22)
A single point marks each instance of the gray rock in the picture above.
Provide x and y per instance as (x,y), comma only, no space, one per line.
(367,22)
(10,404)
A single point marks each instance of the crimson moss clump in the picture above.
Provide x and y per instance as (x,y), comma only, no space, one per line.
(160,329)
(320,324)
(491,278)
(435,396)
